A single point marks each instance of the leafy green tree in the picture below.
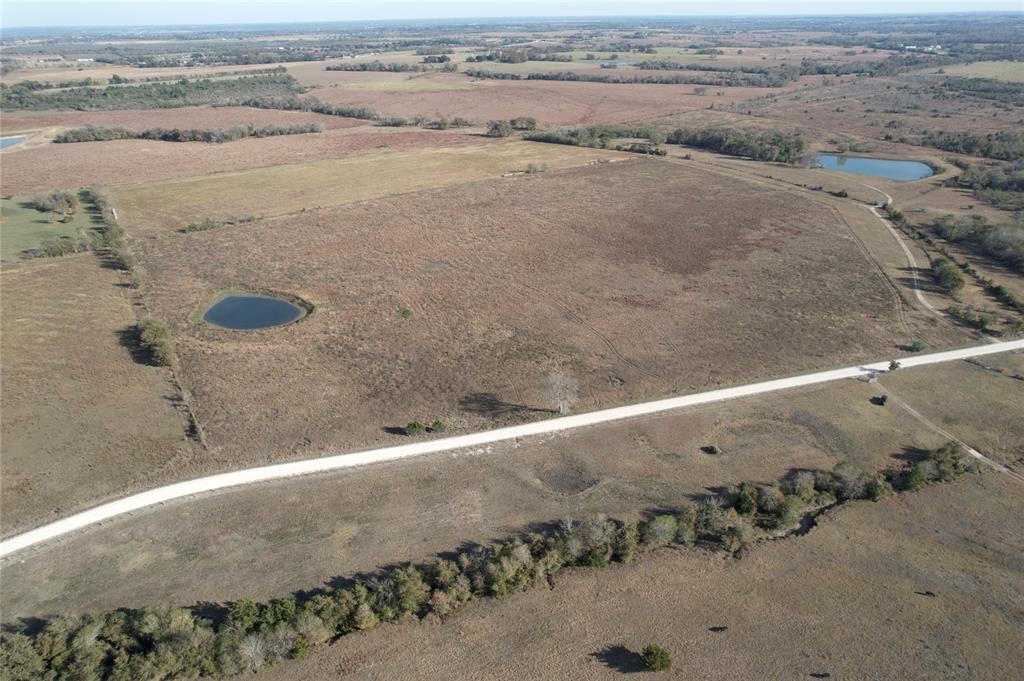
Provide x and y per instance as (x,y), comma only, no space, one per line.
(19,659)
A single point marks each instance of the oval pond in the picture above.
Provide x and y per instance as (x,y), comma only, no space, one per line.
(875,167)
(249,311)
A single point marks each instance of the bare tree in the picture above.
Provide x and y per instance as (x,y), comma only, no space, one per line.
(562,390)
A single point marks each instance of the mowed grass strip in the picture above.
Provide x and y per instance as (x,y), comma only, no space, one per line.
(286,189)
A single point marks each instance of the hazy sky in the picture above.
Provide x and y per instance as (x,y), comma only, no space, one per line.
(163,12)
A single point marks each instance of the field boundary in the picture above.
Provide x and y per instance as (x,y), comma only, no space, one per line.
(335,462)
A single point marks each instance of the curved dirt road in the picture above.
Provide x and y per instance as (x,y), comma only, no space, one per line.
(285,470)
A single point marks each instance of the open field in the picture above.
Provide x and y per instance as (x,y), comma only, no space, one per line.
(495,308)
(81,419)
(999,70)
(288,188)
(23,227)
(242,543)
(192,117)
(149,162)
(550,102)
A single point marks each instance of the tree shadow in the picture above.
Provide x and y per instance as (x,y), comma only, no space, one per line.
(130,338)
(912,455)
(620,658)
(394,430)
(488,404)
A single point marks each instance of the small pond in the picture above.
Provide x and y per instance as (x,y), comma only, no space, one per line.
(10,141)
(248,311)
(875,167)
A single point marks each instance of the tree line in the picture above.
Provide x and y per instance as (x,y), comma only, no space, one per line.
(174,643)
(510,56)
(724,79)
(379,66)
(1005,145)
(773,77)
(779,146)
(162,95)
(105,134)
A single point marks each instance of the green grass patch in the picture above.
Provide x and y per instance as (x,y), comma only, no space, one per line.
(23,227)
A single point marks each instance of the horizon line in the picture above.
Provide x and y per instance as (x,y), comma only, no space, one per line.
(495,18)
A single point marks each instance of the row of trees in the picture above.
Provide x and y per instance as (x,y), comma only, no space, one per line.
(103,134)
(1004,242)
(312,104)
(721,80)
(520,56)
(169,95)
(1005,145)
(774,77)
(603,137)
(779,146)
(173,643)
(380,66)
(505,128)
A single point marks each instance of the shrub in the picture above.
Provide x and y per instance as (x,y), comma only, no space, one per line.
(155,339)
(62,202)
(918,346)
(405,312)
(415,428)
(660,530)
(499,128)
(949,275)
(738,536)
(745,498)
(438,426)
(523,123)
(655,658)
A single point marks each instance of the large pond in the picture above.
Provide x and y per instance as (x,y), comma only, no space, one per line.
(10,141)
(248,311)
(875,167)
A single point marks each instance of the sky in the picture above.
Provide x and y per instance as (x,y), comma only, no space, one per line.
(15,13)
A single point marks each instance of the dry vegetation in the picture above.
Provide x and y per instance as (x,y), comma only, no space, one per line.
(82,421)
(289,188)
(667,277)
(457,278)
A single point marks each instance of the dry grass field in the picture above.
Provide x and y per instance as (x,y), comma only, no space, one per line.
(550,102)
(286,189)
(81,421)
(637,279)
(144,161)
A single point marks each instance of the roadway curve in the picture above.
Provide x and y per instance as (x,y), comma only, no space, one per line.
(250,476)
